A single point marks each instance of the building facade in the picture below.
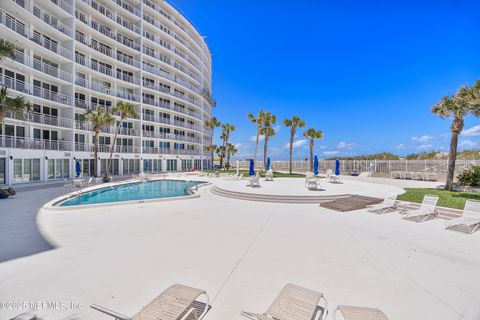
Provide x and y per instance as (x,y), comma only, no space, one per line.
(72,56)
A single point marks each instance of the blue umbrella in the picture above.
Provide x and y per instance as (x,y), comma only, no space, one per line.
(315,165)
(251,171)
(78,169)
(337,167)
(268,163)
(146,165)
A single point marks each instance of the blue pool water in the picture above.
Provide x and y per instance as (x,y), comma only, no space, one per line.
(133,191)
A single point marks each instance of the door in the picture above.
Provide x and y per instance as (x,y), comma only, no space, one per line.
(2,171)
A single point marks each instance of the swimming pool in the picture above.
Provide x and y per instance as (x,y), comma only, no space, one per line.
(133,191)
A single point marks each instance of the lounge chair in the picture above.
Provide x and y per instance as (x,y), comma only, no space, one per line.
(88,183)
(308,176)
(360,313)
(426,211)
(178,302)
(469,222)
(254,181)
(240,176)
(293,303)
(389,204)
(269,175)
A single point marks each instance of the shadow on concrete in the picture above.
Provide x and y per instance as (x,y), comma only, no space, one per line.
(19,234)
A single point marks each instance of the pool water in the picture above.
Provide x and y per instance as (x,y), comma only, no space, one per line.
(134,191)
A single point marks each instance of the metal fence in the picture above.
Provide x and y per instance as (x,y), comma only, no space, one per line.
(377,167)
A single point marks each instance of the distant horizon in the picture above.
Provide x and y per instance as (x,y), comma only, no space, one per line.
(365,73)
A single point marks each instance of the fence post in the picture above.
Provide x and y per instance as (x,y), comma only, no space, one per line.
(375,165)
(406,165)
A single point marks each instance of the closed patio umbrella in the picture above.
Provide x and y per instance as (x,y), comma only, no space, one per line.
(78,169)
(315,165)
(337,167)
(251,172)
(268,164)
(146,165)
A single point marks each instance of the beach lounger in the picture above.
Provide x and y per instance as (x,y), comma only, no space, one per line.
(178,302)
(254,181)
(469,222)
(389,204)
(269,175)
(359,313)
(308,176)
(426,211)
(240,176)
(293,303)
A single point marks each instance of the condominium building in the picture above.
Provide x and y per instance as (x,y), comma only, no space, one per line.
(72,56)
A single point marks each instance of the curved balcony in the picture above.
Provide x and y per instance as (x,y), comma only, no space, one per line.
(40,119)
(42,67)
(37,144)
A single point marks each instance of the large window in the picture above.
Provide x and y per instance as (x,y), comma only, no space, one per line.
(58,168)
(2,170)
(25,170)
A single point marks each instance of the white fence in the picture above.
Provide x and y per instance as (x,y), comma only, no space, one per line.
(381,167)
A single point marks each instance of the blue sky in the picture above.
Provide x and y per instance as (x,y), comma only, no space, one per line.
(364,72)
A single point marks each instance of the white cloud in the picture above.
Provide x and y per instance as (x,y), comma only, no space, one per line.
(321,147)
(296,144)
(345,145)
(254,138)
(468,144)
(473,131)
(401,146)
(277,128)
(423,139)
(331,153)
(424,146)
(238,145)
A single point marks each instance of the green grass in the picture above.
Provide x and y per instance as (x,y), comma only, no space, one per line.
(262,174)
(449,199)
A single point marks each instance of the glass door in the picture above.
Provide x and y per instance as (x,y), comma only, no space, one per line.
(2,171)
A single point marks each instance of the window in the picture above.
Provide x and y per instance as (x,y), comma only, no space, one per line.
(25,170)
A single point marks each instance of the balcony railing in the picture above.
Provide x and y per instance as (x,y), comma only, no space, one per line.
(112,16)
(149,117)
(26,88)
(64,5)
(40,118)
(42,67)
(105,148)
(37,12)
(39,39)
(30,143)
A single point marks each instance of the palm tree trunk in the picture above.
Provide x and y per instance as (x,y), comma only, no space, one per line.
(292,136)
(211,150)
(95,154)
(452,157)
(311,155)
(265,148)
(109,167)
(256,144)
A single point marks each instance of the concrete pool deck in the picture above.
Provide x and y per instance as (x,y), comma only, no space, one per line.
(242,253)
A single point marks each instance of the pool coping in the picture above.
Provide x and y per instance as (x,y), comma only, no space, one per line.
(52,204)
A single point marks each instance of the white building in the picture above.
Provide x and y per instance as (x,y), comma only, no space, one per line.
(76,55)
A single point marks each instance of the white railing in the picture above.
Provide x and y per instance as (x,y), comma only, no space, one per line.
(26,88)
(153,118)
(29,143)
(42,66)
(52,21)
(40,118)
(64,5)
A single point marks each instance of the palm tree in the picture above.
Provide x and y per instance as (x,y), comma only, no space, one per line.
(231,151)
(227,129)
(313,135)
(99,120)
(465,102)
(212,124)
(293,124)
(7,50)
(258,121)
(268,120)
(16,105)
(124,110)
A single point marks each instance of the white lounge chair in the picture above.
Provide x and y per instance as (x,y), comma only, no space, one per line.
(308,176)
(240,176)
(178,302)
(360,313)
(88,183)
(254,181)
(293,303)
(426,211)
(269,175)
(389,204)
(469,222)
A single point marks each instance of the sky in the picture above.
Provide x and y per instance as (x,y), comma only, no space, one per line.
(366,73)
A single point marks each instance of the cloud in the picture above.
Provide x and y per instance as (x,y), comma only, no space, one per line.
(254,138)
(401,146)
(423,139)
(238,145)
(473,131)
(468,144)
(345,145)
(296,144)
(277,128)
(331,153)
(424,146)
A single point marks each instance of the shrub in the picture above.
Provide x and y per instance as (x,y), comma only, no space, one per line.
(470,177)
